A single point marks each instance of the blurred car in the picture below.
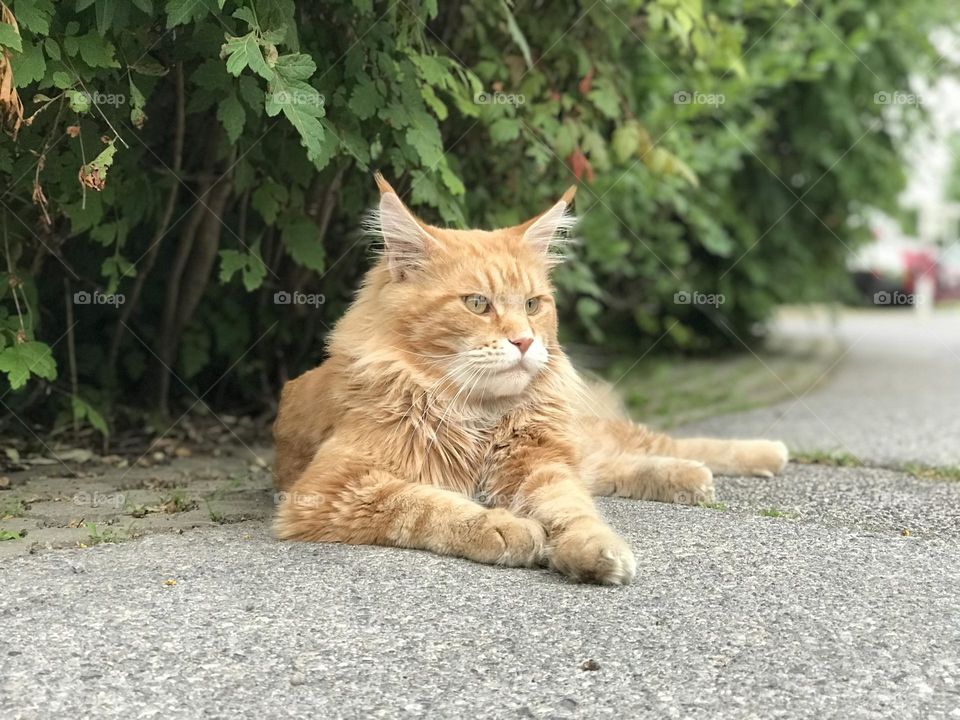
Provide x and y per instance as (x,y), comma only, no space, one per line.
(902,271)
(948,272)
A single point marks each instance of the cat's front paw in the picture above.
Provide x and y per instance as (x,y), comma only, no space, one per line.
(591,552)
(765,458)
(505,539)
(689,482)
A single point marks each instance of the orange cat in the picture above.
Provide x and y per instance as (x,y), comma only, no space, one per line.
(447,417)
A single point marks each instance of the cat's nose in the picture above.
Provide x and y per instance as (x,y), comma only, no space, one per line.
(522,344)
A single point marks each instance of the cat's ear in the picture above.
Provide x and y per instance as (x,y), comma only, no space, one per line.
(406,242)
(548,230)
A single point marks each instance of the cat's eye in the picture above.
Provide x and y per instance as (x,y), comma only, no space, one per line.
(533,305)
(476,303)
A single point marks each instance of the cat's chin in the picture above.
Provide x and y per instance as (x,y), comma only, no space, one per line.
(504,384)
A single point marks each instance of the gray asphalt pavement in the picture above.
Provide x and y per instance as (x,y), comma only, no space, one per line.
(844,605)
(892,397)
(825,592)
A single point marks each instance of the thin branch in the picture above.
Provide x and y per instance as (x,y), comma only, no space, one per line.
(154,248)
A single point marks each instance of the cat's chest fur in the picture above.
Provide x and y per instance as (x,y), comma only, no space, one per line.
(462,453)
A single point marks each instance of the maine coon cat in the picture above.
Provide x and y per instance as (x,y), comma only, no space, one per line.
(447,418)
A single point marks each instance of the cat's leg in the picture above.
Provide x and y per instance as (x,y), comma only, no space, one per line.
(764,458)
(649,477)
(581,545)
(541,476)
(608,437)
(341,499)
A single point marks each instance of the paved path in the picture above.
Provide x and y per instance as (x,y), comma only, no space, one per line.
(827,592)
(893,398)
(828,610)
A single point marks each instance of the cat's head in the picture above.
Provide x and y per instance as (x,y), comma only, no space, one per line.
(473,308)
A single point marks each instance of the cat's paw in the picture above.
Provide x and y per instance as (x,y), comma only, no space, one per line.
(690,483)
(764,458)
(592,552)
(505,539)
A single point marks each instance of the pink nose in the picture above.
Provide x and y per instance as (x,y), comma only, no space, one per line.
(523,344)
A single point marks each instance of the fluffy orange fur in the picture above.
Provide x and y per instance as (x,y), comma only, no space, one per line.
(448,418)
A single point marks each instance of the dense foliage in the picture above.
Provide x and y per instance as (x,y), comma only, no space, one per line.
(185,179)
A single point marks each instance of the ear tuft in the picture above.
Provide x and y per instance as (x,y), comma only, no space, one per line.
(406,243)
(382,185)
(551,231)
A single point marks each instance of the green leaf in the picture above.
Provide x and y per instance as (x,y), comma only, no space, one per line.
(432,69)
(517,34)
(302,105)
(233,116)
(79,101)
(433,102)
(21,360)
(247,15)
(94,173)
(137,101)
(34,15)
(504,129)
(62,80)
(104,11)
(82,410)
(605,98)
(424,136)
(116,268)
(365,98)
(182,12)
(252,94)
(245,52)
(250,265)
(148,66)
(267,200)
(10,38)
(297,66)
(303,242)
(29,66)
(96,52)
(53,50)
(626,140)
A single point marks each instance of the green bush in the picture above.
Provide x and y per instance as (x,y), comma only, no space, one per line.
(197,157)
